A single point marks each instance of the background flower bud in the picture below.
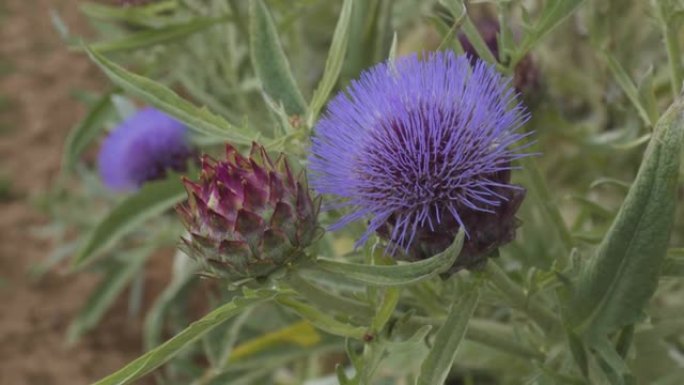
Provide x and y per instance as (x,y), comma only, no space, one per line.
(143,147)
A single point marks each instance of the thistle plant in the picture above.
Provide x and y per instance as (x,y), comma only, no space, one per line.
(423,148)
(423,166)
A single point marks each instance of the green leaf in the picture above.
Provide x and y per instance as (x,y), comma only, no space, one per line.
(328,301)
(87,130)
(269,61)
(610,361)
(397,274)
(473,35)
(184,270)
(142,15)
(147,38)
(437,364)
(322,320)
(107,292)
(617,283)
(393,48)
(199,120)
(150,201)
(647,94)
(630,89)
(673,267)
(333,65)
(579,352)
(164,352)
(554,13)
(269,360)
(388,303)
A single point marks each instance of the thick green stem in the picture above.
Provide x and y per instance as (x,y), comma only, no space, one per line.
(519,299)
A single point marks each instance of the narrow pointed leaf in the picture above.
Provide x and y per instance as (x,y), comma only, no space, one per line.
(437,364)
(333,65)
(629,88)
(554,13)
(164,352)
(142,15)
(474,37)
(299,333)
(158,95)
(322,320)
(618,282)
(150,37)
(87,130)
(150,201)
(106,293)
(397,274)
(270,62)
(184,273)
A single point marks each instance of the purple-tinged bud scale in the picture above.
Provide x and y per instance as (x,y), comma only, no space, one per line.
(247,217)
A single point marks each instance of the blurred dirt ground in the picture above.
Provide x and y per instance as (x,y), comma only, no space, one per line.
(37,76)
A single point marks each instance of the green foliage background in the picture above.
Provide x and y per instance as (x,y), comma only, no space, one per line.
(589,293)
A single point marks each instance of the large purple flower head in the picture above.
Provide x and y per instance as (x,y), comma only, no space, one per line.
(143,147)
(421,148)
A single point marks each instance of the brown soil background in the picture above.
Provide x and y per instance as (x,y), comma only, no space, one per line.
(37,74)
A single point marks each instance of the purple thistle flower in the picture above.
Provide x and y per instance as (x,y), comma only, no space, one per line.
(422,148)
(143,147)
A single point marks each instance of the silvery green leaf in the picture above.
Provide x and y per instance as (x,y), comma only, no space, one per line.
(164,352)
(396,275)
(437,364)
(615,286)
(630,89)
(200,120)
(322,320)
(473,35)
(107,292)
(333,65)
(184,271)
(87,130)
(151,37)
(270,62)
(553,13)
(150,201)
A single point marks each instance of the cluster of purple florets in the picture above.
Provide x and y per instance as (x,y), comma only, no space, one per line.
(144,147)
(417,145)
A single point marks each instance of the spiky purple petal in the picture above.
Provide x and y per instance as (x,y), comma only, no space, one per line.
(415,144)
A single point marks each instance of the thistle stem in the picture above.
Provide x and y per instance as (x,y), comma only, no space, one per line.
(519,299)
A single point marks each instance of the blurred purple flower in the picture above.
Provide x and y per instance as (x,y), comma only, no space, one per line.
(143,147)
(421,148)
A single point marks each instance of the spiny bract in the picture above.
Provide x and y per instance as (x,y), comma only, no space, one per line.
(422,148)
(248,216)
